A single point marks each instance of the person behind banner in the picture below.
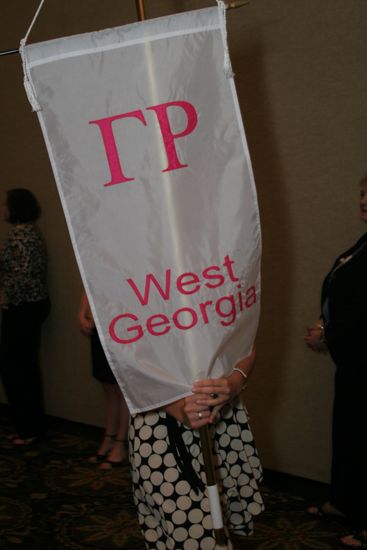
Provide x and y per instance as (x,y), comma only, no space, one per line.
(25,305)
(167,465)
(112,451)
(342,329)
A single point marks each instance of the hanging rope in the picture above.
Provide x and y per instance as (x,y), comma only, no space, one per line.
(24,40)
(27,79)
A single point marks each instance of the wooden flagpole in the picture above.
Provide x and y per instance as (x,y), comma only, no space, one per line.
(140,8)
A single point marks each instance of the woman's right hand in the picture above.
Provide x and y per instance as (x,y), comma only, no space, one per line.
(86,324)
(314,338)
(189,412)
(85,318)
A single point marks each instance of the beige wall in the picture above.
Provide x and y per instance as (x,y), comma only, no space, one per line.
(301,78)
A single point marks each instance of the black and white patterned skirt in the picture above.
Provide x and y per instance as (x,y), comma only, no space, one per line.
(172,514)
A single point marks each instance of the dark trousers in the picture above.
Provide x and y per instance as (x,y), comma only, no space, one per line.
(19,364)
(349,463)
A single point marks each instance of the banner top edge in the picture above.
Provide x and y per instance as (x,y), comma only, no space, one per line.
(38,53)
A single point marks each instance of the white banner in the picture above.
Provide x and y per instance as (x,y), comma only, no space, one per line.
(146,141)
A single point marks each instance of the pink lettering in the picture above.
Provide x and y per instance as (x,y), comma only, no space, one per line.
(167,134)
(136,329)
(240,299)
(188,279)
(229,314)
(250,296)
(228,264)
(156,321)
(150,278)
(204,313)
(208,274)
(105,126)
(185,310)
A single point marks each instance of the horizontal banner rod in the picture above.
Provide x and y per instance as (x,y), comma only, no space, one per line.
(141,15)
(9,52)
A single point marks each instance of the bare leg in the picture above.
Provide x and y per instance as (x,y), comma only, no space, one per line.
(118,452)
(111,423)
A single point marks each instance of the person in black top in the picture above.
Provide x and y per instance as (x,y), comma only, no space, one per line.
(342,328)
(25,305)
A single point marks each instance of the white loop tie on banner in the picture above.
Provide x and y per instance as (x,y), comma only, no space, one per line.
(223,18)
(27,79)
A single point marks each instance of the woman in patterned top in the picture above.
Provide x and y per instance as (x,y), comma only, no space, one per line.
(25,305)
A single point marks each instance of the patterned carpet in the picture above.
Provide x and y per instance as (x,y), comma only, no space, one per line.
(51,498)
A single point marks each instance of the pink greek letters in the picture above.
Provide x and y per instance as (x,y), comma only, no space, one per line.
(109,125)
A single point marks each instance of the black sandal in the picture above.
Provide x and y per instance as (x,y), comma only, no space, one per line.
(98,458)
(109,464)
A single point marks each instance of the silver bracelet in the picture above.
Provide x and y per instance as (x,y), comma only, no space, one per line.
(244,375)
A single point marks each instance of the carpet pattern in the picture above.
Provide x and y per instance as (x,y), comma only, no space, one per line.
(52,498)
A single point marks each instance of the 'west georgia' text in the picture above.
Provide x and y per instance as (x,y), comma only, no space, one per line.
(127,328)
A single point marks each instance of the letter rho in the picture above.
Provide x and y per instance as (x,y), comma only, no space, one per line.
(168,136)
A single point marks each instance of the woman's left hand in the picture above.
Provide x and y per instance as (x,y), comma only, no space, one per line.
(212,394)
(197,411)
(314,337)
(203,405)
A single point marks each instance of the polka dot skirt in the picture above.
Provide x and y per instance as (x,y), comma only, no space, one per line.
(171,514)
